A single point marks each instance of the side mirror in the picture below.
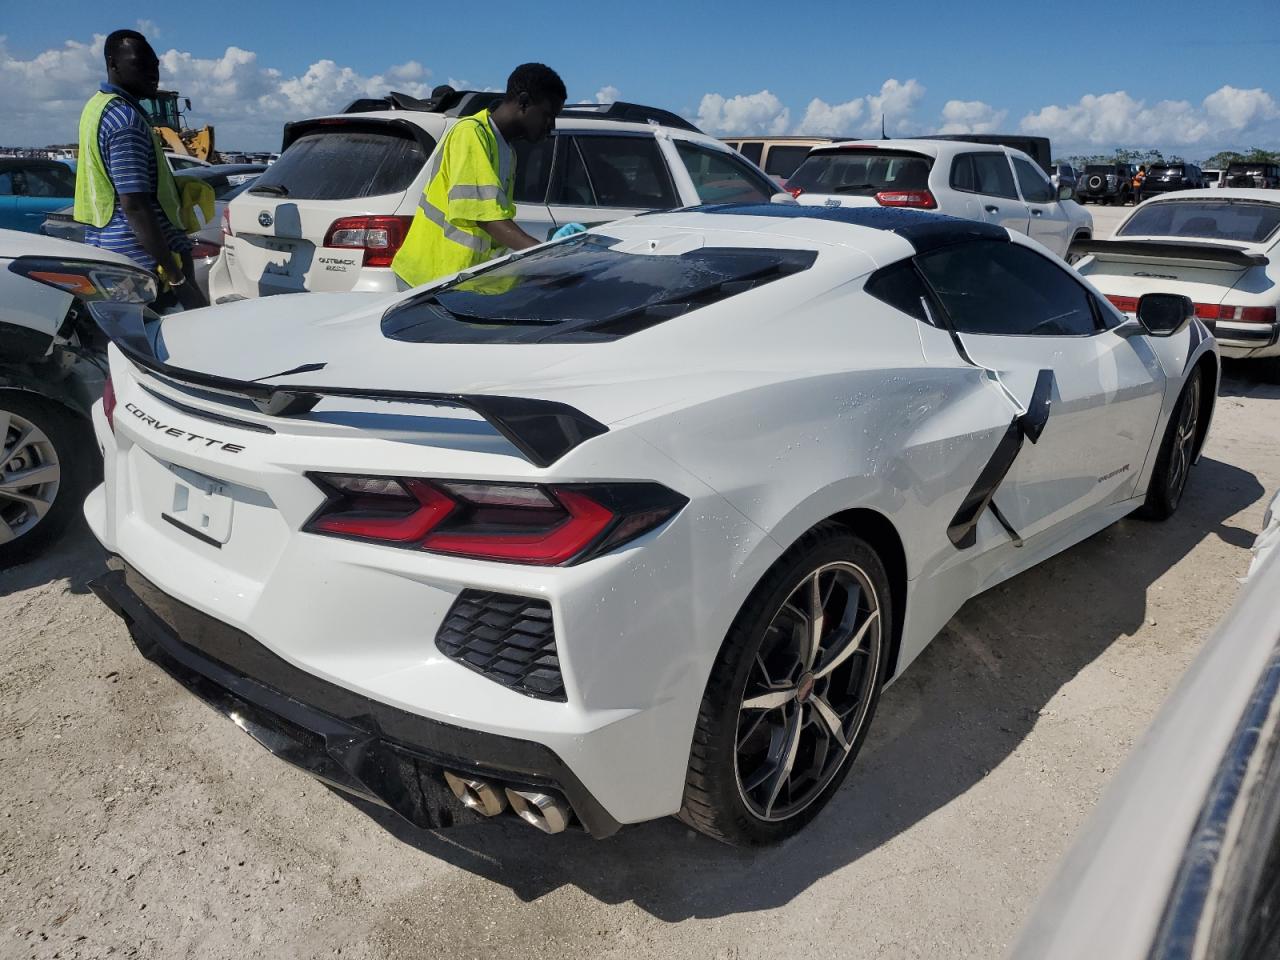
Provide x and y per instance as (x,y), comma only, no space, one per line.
(1066,191)
(1164,314)
(187,101)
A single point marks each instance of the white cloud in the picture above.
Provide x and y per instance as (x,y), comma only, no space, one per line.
(895,103)
(247,101)
(608,94)
(824,119)
(149,29)
(751,113)
(971,116)
(1229,115)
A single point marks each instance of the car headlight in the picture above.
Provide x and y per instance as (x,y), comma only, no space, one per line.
(89,280)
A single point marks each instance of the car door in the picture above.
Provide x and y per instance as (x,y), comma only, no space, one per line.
(8,202)
(602,177)
(46,187)
(1047,222)
(988,176)
(1017,312)
(533,177)
(717,176)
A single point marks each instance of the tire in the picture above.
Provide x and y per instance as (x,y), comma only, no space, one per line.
(41,441)
(1177,450)
(825,706)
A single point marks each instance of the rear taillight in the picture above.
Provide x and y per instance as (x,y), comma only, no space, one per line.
(921,199)
(1208,311)
(508,522)
(226,223)
(109,404)
(203,249)
(379,237)
(794,191)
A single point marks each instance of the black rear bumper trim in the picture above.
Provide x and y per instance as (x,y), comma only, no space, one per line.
(368,748)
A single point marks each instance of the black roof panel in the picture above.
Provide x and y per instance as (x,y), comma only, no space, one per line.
(923,230)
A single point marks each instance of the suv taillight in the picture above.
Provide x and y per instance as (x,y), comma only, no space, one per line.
(226,223)
(379,237)
(508,522)
(921,199)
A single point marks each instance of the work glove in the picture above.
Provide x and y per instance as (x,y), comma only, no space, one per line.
(568,230)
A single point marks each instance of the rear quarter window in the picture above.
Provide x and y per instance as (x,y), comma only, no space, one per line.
(346,164)
(862,173)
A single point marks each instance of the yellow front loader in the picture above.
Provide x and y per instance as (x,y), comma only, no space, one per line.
(170,123)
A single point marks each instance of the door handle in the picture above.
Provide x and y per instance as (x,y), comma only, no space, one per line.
(992,209)
(1037,213)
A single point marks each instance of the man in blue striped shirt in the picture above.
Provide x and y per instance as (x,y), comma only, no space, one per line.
(139,227)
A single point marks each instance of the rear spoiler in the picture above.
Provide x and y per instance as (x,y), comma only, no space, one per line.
(1172,250)
(542,430)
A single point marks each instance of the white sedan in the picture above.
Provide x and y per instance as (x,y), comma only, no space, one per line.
(634,524)
(1219,247)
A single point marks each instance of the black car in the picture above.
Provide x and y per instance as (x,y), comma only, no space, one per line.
(1265,176)
(1106,183)
(1164,177)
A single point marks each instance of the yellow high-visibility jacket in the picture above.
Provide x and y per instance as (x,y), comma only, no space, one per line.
(471,180)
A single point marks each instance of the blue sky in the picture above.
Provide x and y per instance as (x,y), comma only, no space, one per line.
(1003,64)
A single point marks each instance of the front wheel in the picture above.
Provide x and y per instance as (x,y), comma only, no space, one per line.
(1177,451)
(44,473)
(792,693)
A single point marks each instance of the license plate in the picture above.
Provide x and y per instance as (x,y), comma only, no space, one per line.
(200,506)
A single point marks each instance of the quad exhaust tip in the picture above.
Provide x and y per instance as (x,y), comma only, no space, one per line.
(478,795)
(549,814)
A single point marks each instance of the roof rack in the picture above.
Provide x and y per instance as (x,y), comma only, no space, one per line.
(464,103)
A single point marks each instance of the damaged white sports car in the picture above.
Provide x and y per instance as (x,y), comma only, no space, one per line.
(633,524)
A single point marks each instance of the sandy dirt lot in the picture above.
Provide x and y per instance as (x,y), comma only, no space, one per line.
(135,822)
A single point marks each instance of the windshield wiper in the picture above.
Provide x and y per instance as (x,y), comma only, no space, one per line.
(271,189)
(850,187)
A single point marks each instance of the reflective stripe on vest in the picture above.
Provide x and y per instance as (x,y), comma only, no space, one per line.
(95,201)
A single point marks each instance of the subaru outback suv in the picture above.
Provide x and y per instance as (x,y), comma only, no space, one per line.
(332,212)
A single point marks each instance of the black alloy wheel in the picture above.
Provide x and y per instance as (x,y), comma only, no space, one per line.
(793,692)
(1177,453)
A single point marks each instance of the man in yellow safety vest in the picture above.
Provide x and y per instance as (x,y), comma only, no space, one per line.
(466,214)
(125,193)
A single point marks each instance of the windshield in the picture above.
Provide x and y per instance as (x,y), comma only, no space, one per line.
(580,290)
(1234,220)
(862,173)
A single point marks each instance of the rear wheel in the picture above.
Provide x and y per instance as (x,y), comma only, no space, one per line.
(44,473)
(1177,451)
(793,692)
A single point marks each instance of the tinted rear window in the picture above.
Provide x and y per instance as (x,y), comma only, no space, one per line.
(580,290)
(862,173)
(1165,170)
(345,164)
(1099,168)
(783,161)
(1236,220)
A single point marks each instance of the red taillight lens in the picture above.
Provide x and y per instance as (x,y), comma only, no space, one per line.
(379,237)
(226,223)
(1208,311)
(513,523)
(920,199)
(794,191)
(1123,304)
(203,249)
(109,404)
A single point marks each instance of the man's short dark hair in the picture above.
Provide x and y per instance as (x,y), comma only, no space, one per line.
(117,39)
(540,82)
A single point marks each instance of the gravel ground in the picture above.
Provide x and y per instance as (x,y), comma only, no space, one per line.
(135,822)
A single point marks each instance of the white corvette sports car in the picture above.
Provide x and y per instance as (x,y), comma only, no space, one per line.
(633,524)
